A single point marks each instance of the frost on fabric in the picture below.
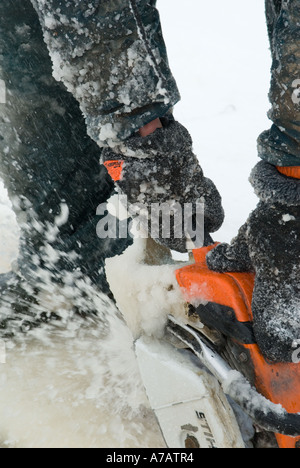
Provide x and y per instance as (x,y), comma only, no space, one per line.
(104,62)
(282,321)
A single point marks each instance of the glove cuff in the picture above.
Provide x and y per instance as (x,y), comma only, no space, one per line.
(172,138)
(273,187)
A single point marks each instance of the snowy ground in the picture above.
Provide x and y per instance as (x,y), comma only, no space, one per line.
(220,58)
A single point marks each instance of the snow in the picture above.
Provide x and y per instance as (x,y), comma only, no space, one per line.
(81,389)
(147,294)
(287,218)
(239,389)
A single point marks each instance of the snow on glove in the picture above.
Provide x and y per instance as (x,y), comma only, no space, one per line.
(162,168)
(269,245)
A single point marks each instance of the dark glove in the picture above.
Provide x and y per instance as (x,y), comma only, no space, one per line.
(162,168)
(269,245)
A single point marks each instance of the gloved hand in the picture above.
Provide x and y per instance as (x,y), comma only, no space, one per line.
(162,168)
(269,245)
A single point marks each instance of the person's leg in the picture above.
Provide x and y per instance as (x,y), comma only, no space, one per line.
(269,243)
(280,145)
(49,165)
(111,56)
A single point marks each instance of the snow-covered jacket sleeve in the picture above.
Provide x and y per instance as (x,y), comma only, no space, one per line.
(232,257)
(111,56)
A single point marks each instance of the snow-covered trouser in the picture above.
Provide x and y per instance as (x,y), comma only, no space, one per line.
(281,144)
(111,56)
(269,245)
(48,163)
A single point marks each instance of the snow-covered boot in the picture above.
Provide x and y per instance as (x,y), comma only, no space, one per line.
(162,169)
(269,245)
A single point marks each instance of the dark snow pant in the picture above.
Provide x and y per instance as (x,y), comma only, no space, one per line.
(47,161)
(111,76)
(111,59)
